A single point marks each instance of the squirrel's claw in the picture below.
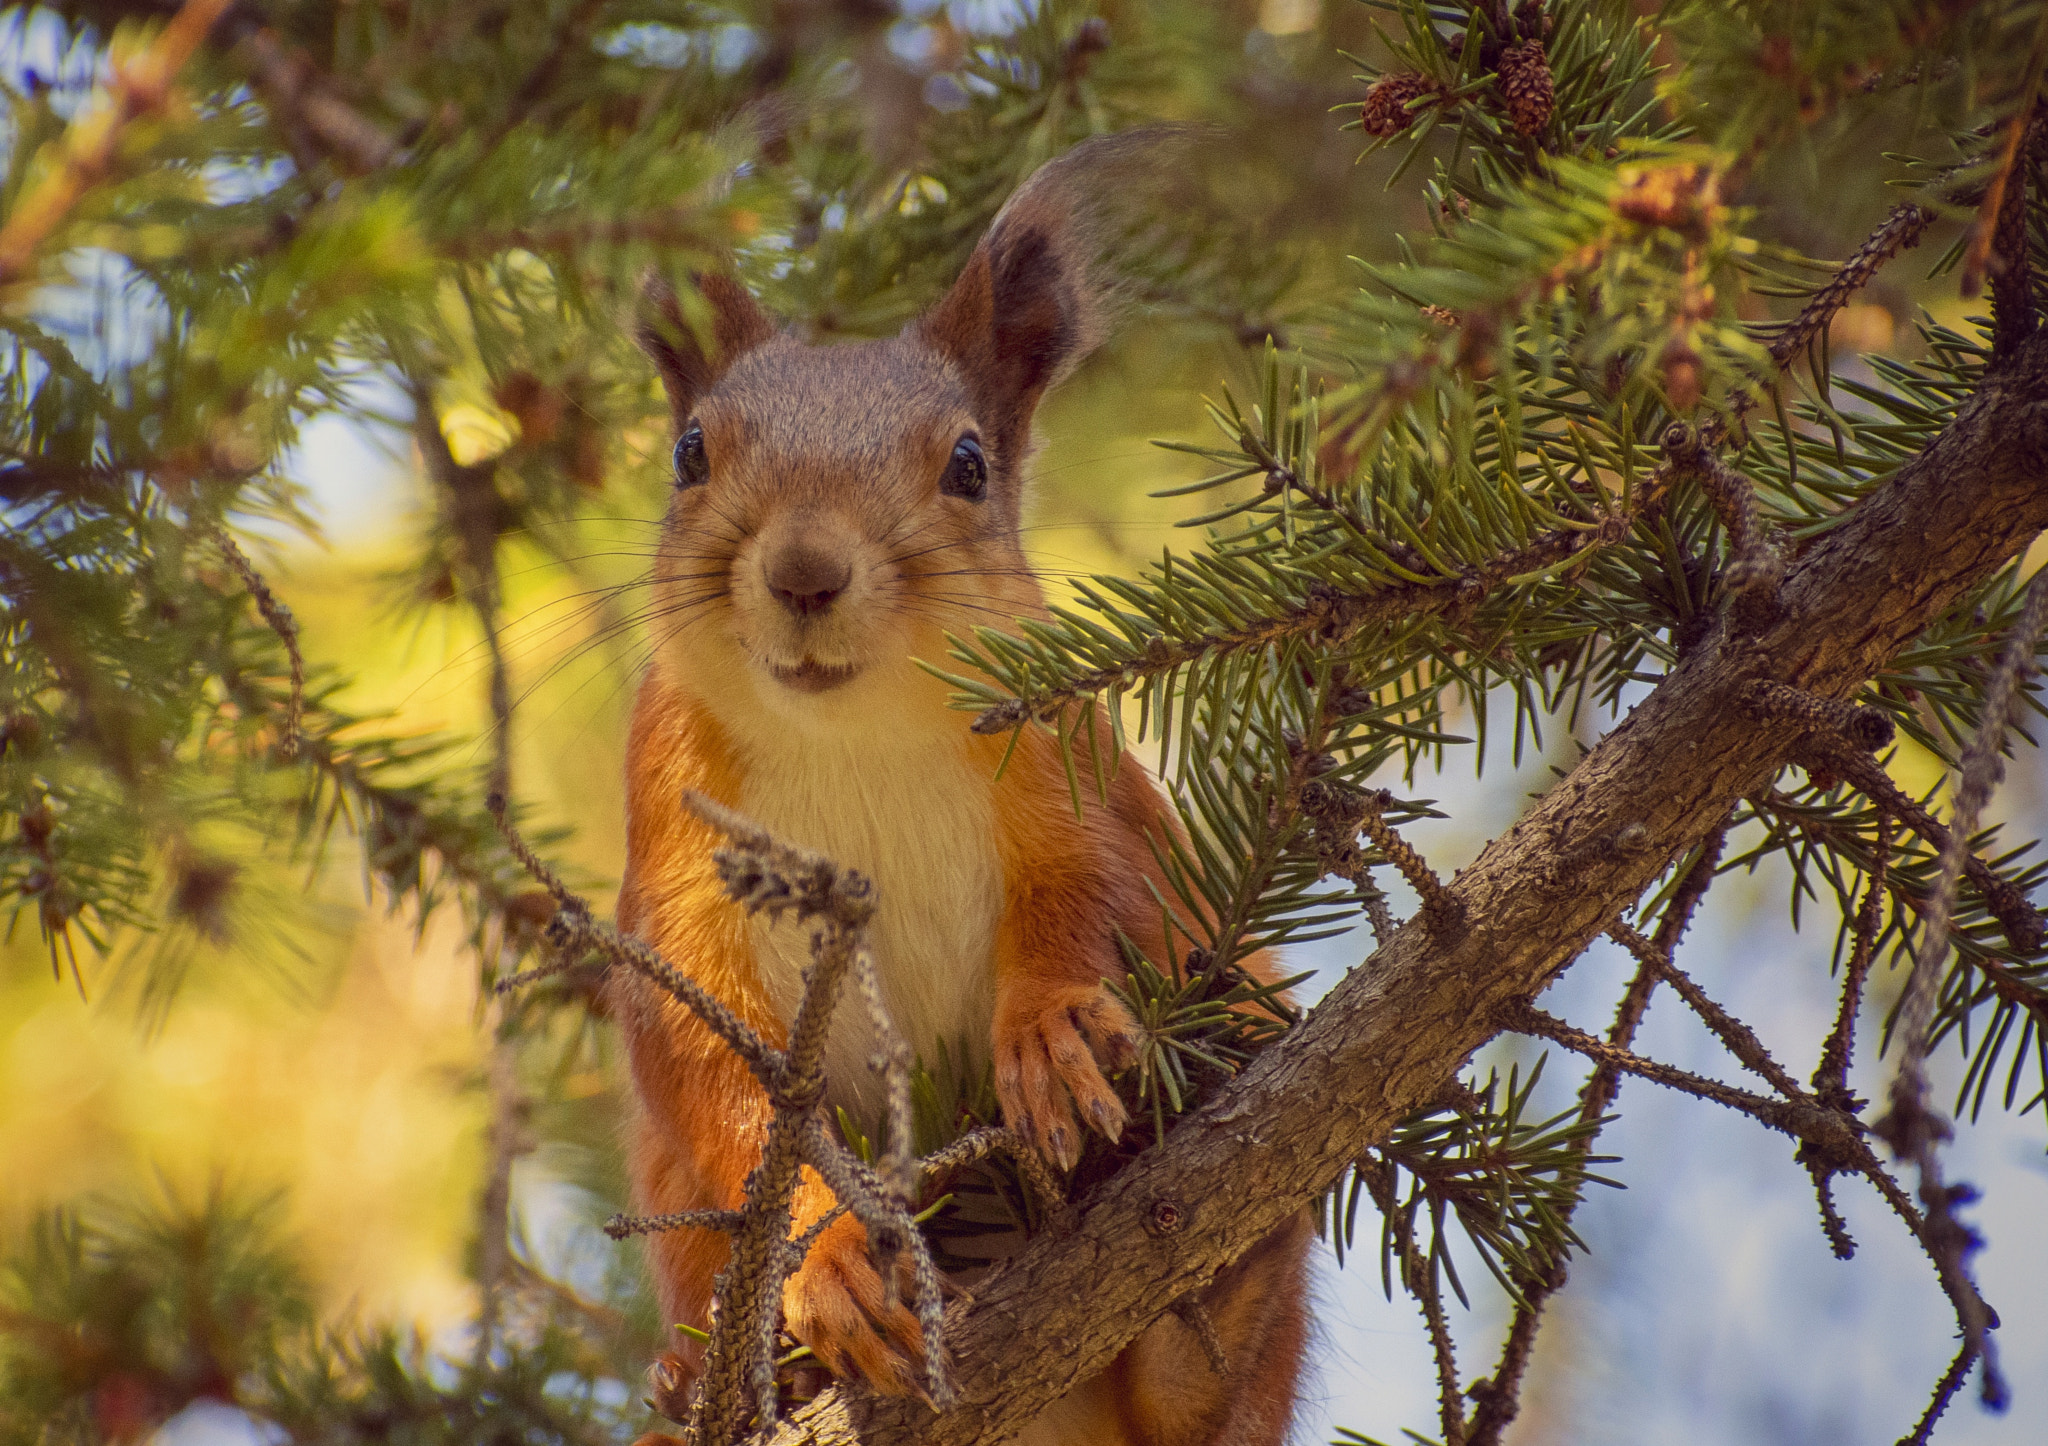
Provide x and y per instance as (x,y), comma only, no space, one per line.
(838,1305)
(1050,1059)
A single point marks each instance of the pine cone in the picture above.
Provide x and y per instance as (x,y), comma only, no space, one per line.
(1384,112)
(1525,84)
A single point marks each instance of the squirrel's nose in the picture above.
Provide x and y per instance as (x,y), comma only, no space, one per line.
(805,580)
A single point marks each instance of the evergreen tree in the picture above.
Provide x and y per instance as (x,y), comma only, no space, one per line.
(1575,448)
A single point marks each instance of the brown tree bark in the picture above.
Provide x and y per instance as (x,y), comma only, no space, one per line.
(1386,1039)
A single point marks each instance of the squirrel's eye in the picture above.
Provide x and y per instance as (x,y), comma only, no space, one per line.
(967,472)
(693,464)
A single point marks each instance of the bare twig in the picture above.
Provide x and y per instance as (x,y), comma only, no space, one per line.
(92,145)
(891,1063)
(1756,550)
(574,931)
(2022,923)
(1831,1074)
(281,621)
(1944,1391)
(1334,817)
(621,1227)
(1436,900)
(1914,1130)
(1190,1314)
(891,1231)
(1868,728)
(1801,1119)
(979,1144)
(1739,1038)
(1499,1398)
(1900,231)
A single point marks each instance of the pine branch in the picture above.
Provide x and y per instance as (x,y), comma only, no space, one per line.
(1328,616)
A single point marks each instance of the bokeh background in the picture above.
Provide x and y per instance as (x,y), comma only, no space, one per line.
(334,1065)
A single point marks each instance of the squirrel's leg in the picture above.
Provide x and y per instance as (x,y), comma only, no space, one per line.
(1171,1393)
(1067,882)
(703,1122)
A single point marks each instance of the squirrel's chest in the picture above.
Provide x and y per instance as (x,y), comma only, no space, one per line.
(920,823)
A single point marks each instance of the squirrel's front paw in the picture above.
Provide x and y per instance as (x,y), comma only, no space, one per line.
(835,1304)
(1053,1049)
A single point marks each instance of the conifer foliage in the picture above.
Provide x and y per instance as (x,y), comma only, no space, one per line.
(1573,437)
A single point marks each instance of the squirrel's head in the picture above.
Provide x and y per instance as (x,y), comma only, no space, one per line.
(839,509)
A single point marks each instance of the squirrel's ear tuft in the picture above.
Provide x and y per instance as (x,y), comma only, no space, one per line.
(693,347)
(1038,293)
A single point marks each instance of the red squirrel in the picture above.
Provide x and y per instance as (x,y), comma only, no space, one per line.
(838,510)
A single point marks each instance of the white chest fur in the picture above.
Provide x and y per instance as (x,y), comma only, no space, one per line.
(917,819)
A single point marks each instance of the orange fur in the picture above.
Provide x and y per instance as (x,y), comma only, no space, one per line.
(822,553)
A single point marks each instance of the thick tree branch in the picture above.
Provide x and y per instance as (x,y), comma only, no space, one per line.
(1386,1038)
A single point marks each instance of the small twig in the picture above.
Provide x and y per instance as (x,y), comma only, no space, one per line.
(92,144)
(621,1227)
(2022,923)
(979,1144)
(1756,552)
(1740,1040)
(891,1063)
(1834,1135)
(801,1245)
(1190,1313)
(281,622)
(1499,1398)
(891,1230)
(574,929)
(1436,899)
(1944,1391)
(1919,73)
(1831,1075)
(1803,1119)
(1868,728)
(1334,817)
(1900,231)
(1914,1130)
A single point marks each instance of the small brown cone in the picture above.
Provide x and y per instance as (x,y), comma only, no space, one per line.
(1525,85)
(1384,112)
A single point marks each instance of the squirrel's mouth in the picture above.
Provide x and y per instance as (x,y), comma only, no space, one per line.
(810,676)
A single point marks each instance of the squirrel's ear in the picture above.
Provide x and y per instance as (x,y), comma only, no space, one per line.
(728,319)
(1018,319)
(1037,294)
